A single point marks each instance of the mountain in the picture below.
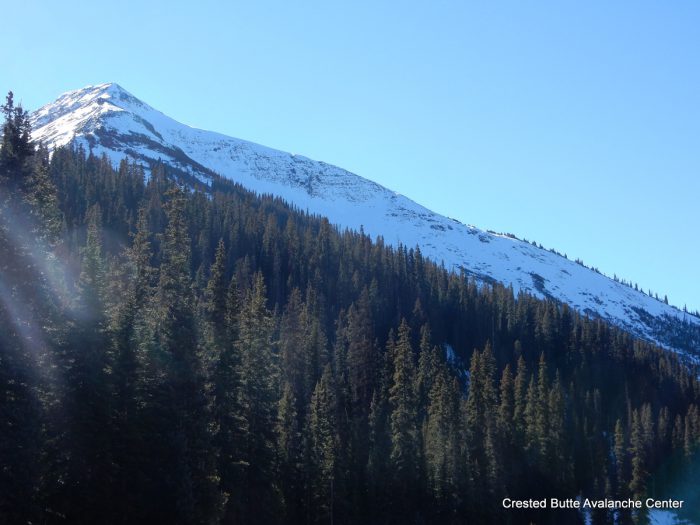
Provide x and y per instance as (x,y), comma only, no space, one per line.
(108,120)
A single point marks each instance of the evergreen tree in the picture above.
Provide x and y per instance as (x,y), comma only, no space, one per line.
(227,411)
(428,362)
(530,415)
(83,428)
(520,402)
(324,447)
(557,457)
(23,311)
(621,467)
(128,327)
(290,455)
(257,399)
(295,347)
(178,407)
(17,150)
(404,454)
(637,485)
(541,433)
(379,446)
(506,406)
(441,444)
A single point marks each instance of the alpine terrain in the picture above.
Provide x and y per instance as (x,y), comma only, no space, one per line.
(107,120)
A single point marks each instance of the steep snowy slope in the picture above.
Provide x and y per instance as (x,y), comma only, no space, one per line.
(109,120)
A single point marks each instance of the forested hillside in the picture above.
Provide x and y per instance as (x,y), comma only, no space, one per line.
(108,120)
(174,356)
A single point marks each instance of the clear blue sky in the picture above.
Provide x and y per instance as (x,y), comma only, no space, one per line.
(576,124)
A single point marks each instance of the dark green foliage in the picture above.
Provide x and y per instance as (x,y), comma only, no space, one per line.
(404,456)
(257,401)
(323,448)
(290,456)
(168,356)
(29,342)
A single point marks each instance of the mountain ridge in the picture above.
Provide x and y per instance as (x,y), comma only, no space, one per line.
(107,119)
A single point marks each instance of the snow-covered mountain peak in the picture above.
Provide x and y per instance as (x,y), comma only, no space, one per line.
(107,119)
(78,110)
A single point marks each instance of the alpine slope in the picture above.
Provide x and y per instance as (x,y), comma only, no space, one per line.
(107,120)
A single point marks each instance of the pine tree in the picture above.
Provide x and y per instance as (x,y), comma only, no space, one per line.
(290,455)
(361,356)
(428,360)
(221,362)
(295,347)
(257,399)
(557,459)
(505,424)
(128,327)
(542,412)
(403,421)
(621,466)
(216,298)
(359,380)
(27,316)
(475,405)
(506,406)
(637,450)
(324,447)
(379,446)
(83,430)
(532,440)
(441,443)
(178,406)
(17,150)
(520,403)
(492,455)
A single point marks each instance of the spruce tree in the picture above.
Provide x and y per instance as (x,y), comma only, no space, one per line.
(542,412)
(257,400)
(621,464)
(178,406)
(637,450)
(290,455)
(520,403)
(506,406)
(228,415)
(404,454)
(557,457)
(83,429)
(27,317)
(441,444)
(126,374)
(323,445)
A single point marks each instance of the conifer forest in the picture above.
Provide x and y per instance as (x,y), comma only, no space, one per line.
(178,354)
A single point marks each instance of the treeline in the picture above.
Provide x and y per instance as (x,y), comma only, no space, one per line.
(171,355)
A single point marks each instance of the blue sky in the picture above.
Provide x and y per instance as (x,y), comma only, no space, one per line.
(576,124)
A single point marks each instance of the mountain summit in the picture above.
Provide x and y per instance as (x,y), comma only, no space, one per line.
(108,120)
